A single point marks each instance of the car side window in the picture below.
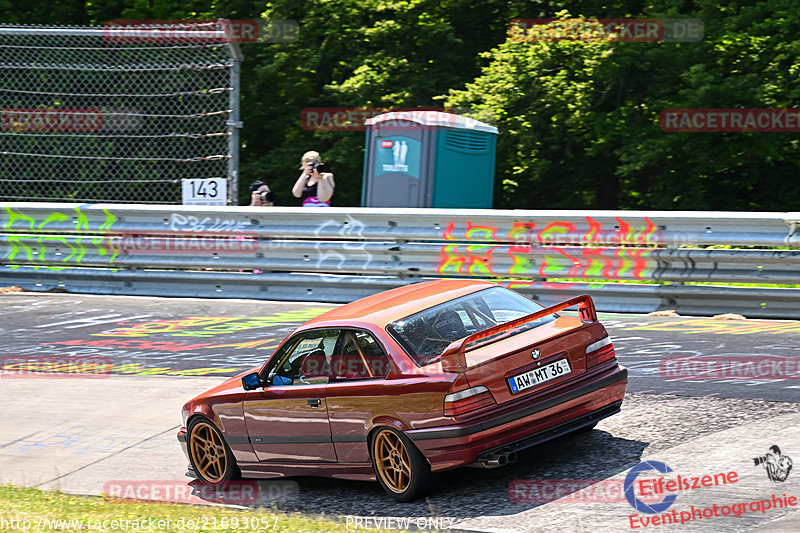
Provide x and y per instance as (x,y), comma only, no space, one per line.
(359,356)
(305,358)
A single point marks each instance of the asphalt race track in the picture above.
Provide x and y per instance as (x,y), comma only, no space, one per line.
(706,396)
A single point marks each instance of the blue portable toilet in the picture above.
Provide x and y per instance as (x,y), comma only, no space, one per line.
(428,159)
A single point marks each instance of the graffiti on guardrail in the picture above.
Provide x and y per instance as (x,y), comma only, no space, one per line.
(357,254)
(79,220)
(568,251)
(179,222)
(187,234)
(55,248)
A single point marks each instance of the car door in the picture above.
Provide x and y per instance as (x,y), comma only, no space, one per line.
(358,393)
(287,421)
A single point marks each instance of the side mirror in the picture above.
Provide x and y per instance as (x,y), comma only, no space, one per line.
(251,381)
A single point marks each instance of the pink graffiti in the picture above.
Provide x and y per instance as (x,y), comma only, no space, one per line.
(607,253)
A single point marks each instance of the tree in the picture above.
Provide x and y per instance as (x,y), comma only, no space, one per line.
(579,121)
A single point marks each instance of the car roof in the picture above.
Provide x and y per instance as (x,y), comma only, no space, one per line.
(385,307)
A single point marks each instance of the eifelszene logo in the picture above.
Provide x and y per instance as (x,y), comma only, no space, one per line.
(667,487)
(630,495)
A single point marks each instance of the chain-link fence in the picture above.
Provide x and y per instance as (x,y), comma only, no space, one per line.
(99,115)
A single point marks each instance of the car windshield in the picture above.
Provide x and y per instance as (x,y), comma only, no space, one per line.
(426,334)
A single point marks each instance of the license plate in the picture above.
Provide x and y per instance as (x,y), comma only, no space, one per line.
(532,378)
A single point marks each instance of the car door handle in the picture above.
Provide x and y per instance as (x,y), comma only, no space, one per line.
(314,402)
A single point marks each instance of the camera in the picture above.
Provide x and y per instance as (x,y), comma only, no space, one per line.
(267,196)
(759,460)
(319,167)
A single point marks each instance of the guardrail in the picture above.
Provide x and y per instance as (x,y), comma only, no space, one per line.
(339,254)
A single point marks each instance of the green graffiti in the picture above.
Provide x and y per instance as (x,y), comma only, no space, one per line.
(49,268)
(82,222)
(54,217)
(17,244)
(59,239)
(77,248)
(105,246)
(12,216)
(110,219)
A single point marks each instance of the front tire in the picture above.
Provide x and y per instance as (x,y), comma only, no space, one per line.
(211,458)
(400,467)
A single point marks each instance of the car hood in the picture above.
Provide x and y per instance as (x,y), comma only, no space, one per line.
(232,385)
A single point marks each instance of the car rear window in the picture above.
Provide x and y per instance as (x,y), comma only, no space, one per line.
(426,334)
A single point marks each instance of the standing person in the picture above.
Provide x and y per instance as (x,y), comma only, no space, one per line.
(260,194)
(315,184)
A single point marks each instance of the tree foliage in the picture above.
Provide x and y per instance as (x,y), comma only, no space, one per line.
(579,121)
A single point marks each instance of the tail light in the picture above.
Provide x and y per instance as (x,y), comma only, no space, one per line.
(466,401)
(599,352)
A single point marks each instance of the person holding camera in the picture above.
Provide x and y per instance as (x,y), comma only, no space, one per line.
(260,195)
(777,465)
(315,184)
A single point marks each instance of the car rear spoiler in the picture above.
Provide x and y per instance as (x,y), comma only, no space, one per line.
(454,356)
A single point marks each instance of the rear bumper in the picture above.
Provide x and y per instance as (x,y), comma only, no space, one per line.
(463,444)
(553,433)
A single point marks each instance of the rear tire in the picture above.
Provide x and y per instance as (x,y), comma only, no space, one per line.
(211,458)
(400,467)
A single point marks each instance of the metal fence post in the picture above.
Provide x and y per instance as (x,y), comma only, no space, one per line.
(234,124)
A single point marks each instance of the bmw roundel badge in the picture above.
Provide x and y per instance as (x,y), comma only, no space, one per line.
(535,353)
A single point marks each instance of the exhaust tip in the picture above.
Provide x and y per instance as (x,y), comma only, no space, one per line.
(493,462)
(498,460)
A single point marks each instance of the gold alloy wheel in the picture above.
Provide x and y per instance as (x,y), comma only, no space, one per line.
(392,461)
(208,452)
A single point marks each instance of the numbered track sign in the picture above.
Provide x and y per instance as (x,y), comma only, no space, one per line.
(210,191)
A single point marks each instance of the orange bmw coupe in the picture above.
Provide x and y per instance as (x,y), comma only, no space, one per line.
(406,383)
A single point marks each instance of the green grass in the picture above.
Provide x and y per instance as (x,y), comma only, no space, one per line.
(20,504)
